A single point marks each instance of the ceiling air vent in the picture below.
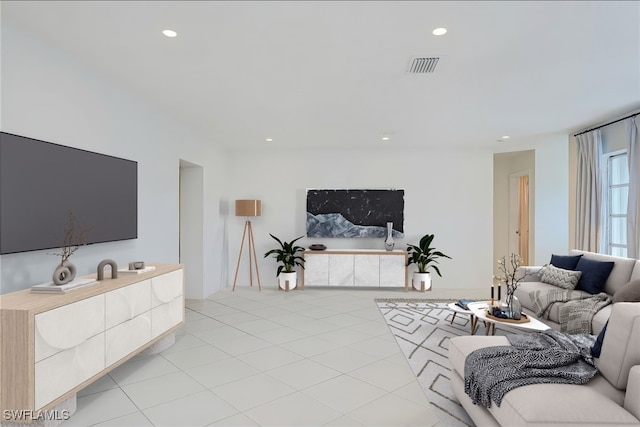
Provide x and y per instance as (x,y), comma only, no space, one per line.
(421,65)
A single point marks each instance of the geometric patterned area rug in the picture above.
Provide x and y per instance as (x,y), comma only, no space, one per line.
(422,329)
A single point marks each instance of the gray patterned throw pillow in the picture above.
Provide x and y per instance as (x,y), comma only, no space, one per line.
(566,279)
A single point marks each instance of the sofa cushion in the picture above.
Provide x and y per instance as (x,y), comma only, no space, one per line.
(628,293)
(559,404)
(621,346)
(594,274)
(632,398)
(566,262)
(525,288)
(460,347)
(561,277)
(621,272)
(635,274)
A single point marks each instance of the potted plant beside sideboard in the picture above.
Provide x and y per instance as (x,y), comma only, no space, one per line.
(424,257)
(288,255)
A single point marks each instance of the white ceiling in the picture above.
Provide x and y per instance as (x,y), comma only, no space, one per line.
(332,73)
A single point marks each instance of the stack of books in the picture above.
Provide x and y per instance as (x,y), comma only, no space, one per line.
(52,288)
(139,271)
(462,303)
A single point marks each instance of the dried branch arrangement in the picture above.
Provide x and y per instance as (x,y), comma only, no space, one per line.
(75,235)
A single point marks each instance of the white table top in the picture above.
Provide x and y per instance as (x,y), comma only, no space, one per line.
(479,309)
(455,307)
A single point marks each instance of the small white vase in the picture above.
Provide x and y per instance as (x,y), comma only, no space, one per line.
(287,281)
(389,242)
(422,281)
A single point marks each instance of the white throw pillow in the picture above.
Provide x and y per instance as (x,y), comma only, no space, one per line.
(565,279)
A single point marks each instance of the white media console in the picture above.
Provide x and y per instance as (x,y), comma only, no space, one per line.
(367,267)
(53,345)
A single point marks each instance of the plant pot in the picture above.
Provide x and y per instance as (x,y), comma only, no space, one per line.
(287,281)
(422,281)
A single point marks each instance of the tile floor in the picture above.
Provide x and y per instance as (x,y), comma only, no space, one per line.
(318,357)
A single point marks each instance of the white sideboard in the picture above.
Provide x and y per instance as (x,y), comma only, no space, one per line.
(355,268)
(54,345)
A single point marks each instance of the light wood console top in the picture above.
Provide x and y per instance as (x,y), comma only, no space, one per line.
(357,252)
(39,302)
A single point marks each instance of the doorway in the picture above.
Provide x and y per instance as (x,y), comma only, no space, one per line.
(508,224)
(519,215)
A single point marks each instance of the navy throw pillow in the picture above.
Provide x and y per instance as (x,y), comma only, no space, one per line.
(597,347)
(565,262)
(594,274)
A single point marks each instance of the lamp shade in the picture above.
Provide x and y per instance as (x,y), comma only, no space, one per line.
(248,207)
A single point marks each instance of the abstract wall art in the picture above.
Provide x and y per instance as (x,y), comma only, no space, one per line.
(354,213)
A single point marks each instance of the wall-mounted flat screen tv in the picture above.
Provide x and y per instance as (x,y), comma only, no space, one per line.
(42,183)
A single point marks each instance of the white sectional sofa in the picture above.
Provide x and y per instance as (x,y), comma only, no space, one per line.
(611,398)
(624,271)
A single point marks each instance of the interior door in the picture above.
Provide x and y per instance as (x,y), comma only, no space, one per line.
(519,215)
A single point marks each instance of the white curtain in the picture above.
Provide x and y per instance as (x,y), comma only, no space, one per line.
(589,191)
(633,155)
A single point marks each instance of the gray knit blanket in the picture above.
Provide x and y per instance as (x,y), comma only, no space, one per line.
(550,357)
(576,309)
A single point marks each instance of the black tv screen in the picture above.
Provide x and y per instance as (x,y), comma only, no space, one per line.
(41,183)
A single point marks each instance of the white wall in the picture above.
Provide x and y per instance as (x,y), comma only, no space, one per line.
(447,193)
(47,95)
(552,203)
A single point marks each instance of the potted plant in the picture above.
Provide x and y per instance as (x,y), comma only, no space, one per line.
(425,257)
(287,255)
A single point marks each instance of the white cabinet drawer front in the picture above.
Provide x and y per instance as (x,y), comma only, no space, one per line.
(126,303)
(367,270)
(316,270)
(166,316)
(60,373)
(341,270)
(392,270)
(127,337)
(166,288)
(68,326)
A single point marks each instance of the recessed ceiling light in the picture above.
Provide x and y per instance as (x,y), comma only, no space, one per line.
(505,136)
(385,138)
(439,31)
(269,139)
(169,33)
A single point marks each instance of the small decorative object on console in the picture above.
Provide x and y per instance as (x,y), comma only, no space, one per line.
(317,247)
(103,264)
(136,265)
(389,243)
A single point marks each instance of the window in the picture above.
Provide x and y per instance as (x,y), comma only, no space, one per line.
(616,191)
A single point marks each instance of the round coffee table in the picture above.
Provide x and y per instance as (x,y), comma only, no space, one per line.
(479,310)
(457,309)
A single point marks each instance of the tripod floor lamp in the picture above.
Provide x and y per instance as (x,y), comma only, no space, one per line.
(248,208)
